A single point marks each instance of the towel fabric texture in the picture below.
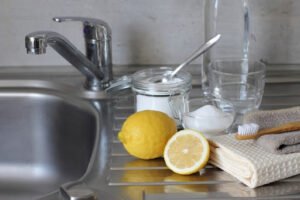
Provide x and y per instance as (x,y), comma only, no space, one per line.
(283,143)
(250,163)
(272,118)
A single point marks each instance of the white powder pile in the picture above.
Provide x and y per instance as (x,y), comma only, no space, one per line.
(209,120)
(161,104)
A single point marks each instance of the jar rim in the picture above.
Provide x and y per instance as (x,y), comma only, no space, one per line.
(143,81)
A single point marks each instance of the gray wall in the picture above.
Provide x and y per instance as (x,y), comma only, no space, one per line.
(144,31)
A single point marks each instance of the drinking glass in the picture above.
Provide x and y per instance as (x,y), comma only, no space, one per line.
(240,82)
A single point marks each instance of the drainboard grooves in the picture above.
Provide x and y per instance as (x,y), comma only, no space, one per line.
(125,101)
(166,177)
(115,136)
(222,190)
(122,113)
(118,124)
(124,107)
(152,180)
(116,140)
(118,150)
(131,163)
(125,170)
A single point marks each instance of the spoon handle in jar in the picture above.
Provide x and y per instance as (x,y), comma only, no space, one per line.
(196,54)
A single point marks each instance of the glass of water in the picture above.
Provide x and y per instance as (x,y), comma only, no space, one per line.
(240,82)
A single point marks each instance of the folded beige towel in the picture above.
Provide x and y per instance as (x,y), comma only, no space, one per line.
(283,143)
(277,143)
(272,118)
(250,163)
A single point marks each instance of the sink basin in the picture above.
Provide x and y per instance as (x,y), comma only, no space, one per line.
(46,140)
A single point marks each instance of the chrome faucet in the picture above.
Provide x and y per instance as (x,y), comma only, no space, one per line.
(96,65)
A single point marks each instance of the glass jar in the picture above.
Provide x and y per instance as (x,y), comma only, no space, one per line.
(150,94)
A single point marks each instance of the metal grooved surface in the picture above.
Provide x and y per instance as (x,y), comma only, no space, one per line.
(149,180)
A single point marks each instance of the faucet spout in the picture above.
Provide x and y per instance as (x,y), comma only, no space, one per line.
(37,42)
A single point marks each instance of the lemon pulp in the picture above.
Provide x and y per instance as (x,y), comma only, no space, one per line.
(186,152)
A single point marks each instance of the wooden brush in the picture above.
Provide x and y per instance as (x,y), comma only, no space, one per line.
(251,132)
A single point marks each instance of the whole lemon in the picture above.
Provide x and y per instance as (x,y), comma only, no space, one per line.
(144,134)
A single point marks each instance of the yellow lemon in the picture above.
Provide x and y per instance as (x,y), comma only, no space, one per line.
(144,134)
(186,152)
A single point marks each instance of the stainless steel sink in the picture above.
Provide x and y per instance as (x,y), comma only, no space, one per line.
(59,141)
(46,140)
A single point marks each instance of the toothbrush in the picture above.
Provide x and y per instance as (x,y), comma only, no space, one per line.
(251,131)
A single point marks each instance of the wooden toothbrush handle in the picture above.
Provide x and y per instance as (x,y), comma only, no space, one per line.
(288,127)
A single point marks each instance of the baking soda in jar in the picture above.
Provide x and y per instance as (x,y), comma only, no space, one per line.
(144,102)
(153,95)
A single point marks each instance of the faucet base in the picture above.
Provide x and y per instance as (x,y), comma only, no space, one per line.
(95,85)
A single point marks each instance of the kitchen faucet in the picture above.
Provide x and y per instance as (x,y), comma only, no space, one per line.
(96,65)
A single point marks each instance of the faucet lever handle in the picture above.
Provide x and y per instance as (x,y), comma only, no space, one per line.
(93,29)
(97,35)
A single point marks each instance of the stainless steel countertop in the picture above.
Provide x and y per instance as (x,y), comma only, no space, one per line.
(117,175)
(140,179)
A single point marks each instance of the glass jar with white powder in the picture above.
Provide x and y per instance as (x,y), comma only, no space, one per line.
(151,94)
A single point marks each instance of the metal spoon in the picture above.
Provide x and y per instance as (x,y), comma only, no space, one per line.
(195,55)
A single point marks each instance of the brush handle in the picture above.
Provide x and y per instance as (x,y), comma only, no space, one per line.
(288,127)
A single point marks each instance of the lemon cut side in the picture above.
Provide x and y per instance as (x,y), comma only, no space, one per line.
(186,152)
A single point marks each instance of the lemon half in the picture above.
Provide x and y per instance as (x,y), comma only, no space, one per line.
(186,152)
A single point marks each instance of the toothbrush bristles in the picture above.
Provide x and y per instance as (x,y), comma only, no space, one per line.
(248,129)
